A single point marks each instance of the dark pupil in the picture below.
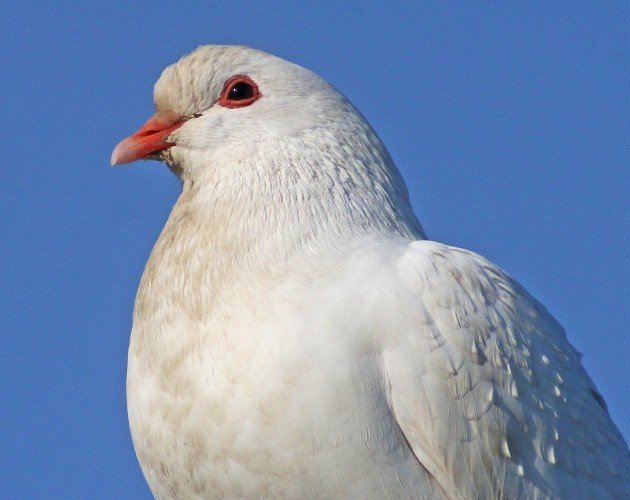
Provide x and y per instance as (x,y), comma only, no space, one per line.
(240,91)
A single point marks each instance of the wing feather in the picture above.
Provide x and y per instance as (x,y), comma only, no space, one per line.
(490,395)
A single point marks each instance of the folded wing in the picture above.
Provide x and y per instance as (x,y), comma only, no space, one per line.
(488,392)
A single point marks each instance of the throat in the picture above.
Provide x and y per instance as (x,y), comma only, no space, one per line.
(222,234)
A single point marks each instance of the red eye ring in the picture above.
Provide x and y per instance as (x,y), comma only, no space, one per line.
(238,92)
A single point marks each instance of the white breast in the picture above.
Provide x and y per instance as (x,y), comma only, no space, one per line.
(278,399)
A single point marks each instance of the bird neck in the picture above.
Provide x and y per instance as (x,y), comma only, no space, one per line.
(266,217)
(281,193)
(228,230)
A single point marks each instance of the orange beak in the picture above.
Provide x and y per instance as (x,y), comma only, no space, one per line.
(151,138)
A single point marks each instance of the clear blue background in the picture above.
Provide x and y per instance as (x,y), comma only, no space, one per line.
(510,125)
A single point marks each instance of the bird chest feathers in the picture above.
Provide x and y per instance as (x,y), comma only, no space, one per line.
(261,398)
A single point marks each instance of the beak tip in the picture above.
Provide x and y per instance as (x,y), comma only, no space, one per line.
(118,155)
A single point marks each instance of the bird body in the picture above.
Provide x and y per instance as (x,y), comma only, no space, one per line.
(296,335)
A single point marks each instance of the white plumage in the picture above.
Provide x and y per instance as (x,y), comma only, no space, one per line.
(295,335)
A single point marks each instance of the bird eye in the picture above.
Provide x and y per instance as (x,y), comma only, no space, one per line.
(239,91)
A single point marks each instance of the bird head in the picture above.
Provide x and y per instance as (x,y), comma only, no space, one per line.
(221,99)
(259,127)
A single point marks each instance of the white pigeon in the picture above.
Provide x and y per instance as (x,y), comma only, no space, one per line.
(296,335)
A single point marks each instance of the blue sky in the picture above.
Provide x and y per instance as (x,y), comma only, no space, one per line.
(510,125)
